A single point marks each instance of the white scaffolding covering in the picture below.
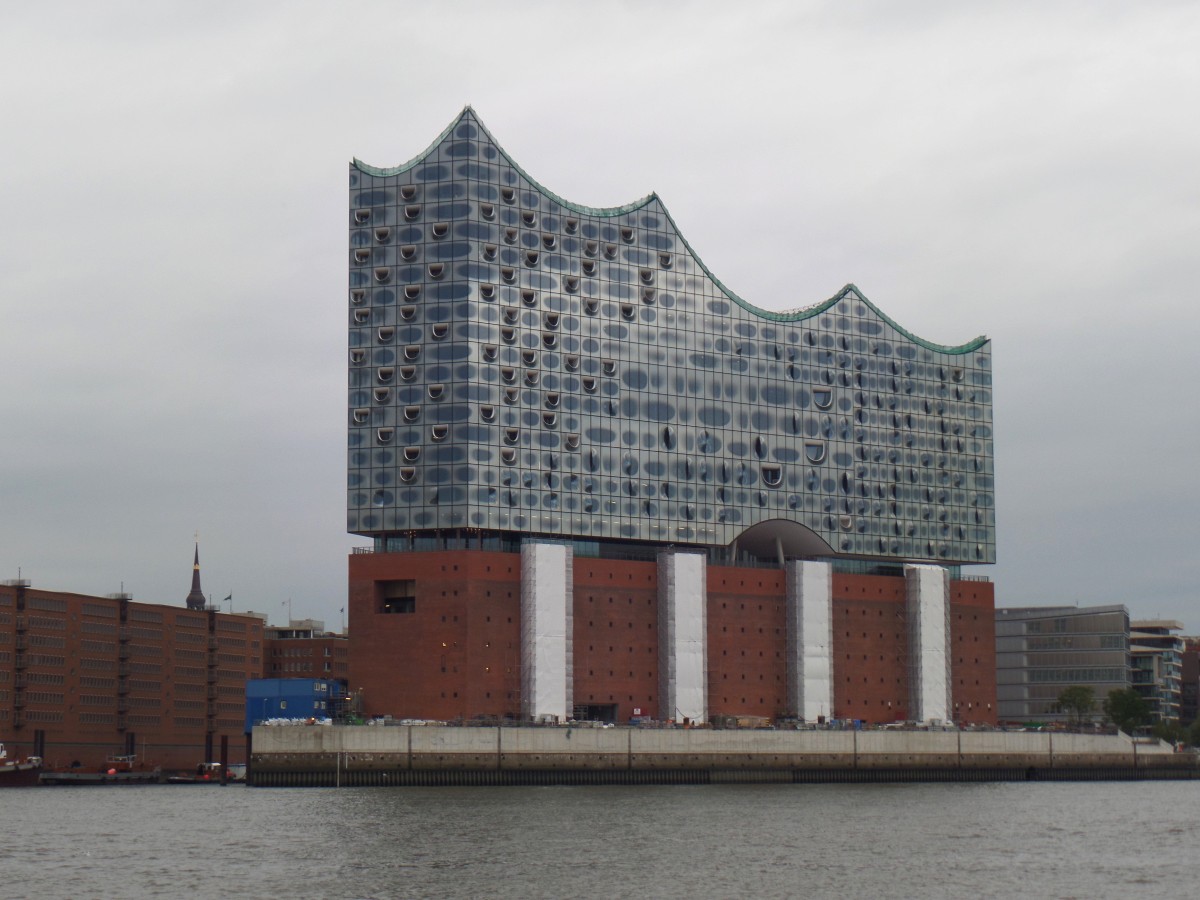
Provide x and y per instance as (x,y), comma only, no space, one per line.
(810,639)
(546,654)
(928,602)
(682,636)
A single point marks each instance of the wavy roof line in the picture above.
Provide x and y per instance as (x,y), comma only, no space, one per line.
(796,315)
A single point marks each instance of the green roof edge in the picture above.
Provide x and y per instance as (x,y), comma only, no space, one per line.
(797,315)
(467,110)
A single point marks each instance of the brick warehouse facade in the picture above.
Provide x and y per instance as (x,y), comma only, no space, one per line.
(86,678)
(303,649)
(452,650)
(598,482)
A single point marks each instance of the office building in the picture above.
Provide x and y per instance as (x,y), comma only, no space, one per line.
(1043,650)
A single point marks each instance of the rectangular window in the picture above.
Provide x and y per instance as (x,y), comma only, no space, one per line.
(396,597)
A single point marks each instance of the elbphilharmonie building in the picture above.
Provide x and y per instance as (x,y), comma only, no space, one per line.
(572,390)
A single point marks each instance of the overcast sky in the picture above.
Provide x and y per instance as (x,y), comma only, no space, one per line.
(173,248)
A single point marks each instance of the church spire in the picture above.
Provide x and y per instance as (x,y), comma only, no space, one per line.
(195,600)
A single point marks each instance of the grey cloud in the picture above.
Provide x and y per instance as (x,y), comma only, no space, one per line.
(173,277)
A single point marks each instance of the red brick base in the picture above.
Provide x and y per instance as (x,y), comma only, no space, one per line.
(456,654)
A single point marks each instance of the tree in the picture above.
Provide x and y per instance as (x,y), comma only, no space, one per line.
(1077,702)
(1170,731)
(1128,709)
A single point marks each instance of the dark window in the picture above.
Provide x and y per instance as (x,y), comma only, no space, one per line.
(397,596)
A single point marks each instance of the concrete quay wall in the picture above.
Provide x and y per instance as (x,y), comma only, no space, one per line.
(424,754)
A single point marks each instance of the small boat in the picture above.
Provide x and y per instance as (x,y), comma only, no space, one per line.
(18,772)
(210,773)
(118,769)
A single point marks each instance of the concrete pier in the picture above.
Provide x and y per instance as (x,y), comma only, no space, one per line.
(428,754)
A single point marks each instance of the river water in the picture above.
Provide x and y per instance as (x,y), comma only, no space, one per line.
(869,840)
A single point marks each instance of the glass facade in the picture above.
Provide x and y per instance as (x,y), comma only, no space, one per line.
(1041,651)
(519,364)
